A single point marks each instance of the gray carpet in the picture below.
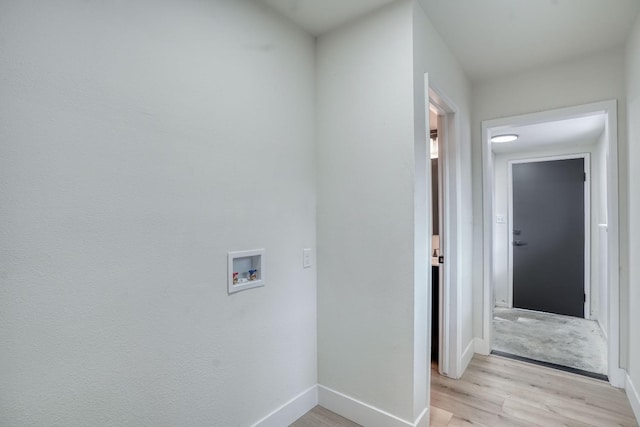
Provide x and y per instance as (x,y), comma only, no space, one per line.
(563,340)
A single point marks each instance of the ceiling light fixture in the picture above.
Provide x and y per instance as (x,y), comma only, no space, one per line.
(504,138)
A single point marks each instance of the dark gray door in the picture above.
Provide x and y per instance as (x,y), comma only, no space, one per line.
(548,236)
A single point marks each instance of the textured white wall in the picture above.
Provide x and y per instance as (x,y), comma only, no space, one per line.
(372,205)
(365,164)
(139,142)
(581,81)
(432,56)
(633,105)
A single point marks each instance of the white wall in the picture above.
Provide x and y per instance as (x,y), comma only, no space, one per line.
(502,239)
(139,142)
(365,164)
(432,56)
(581,81)
(633,105)
(372,205)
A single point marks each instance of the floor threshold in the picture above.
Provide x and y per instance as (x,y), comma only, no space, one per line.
(551,365)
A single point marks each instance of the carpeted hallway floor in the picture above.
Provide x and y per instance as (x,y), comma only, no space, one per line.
(563,340)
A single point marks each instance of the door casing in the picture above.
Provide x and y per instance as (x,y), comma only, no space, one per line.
(452,361)
(616,374)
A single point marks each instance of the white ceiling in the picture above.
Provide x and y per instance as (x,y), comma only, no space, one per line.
(319,16)
(561,133)
(494,37)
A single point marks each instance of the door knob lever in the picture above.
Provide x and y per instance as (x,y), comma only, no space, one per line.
(519,243)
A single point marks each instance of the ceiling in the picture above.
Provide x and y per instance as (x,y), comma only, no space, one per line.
(494,37)
(561,133)
(319,16)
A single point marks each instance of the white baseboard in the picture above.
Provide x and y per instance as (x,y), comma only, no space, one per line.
(468,355)
(604,332)
(362,413)
(292,410)
(423,419)
(634,397)
(617,377)
(481,346)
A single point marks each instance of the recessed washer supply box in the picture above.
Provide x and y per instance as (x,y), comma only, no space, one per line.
(246,270)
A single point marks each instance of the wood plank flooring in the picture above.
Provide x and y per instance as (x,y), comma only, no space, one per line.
(496,392)
(321,417)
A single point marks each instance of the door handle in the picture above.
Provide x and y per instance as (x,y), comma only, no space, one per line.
(519,243)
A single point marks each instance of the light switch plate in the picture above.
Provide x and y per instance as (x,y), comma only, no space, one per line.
(306,258)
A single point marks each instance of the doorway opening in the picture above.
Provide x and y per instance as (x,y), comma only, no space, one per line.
(551,240)
(548,301)
(437,235)
(443,230)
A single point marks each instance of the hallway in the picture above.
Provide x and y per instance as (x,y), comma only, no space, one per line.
(495,391)
(150,152)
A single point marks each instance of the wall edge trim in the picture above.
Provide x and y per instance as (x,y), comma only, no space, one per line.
(363,413)
(633,396)
(481,346)
(291,410)
(604,332)
(423,419)
(467,356)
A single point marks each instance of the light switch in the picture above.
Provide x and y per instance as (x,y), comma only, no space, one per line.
(306,258)
(500,219)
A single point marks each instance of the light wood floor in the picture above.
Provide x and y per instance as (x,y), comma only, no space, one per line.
(495,392)
(321,417)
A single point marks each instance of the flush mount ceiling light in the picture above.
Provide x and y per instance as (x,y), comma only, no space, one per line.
(504,138)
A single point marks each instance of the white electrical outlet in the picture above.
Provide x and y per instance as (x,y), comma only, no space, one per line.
(306,258)
(500,219)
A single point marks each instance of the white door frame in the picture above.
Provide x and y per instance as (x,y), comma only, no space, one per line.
(609,108)
(450,357)
(587,222)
